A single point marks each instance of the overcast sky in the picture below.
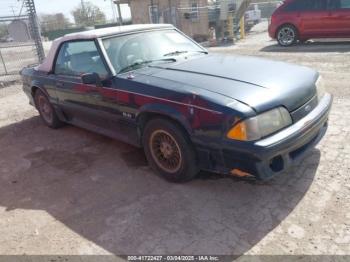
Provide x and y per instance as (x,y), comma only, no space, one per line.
(8,7)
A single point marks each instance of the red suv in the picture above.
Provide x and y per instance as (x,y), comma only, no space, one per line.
(300,20)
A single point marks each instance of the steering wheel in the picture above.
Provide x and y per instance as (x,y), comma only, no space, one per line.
(131,52)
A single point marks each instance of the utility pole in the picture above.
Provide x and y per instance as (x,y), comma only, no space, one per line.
(120,18)
(83,7)
(13,9)
(35,29)
(113,11)
(152,12)
(170,18)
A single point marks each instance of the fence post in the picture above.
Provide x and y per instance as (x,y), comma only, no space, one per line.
(3,62)
(242,27)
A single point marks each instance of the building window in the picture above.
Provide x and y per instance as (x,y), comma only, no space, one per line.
(194,11)
(153,14)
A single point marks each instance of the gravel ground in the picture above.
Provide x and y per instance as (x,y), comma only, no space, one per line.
(70,191)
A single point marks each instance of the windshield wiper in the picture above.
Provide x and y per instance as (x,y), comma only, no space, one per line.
(183,52)
(132,66)
(175,53)
(200,51)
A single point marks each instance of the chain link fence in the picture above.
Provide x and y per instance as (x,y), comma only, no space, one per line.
(15,56)
(17,48)
(20,43)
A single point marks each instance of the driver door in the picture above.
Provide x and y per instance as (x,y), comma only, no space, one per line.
(76,99)
(314,17)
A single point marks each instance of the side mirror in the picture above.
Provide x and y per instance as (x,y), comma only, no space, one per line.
(91,79)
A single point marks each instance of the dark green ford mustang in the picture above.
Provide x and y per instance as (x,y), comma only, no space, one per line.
(153,87)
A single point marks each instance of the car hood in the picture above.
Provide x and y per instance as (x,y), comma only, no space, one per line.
(262,84)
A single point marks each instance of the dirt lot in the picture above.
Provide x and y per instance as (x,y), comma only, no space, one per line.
(70,191)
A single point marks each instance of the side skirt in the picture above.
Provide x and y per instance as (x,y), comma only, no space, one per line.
(131,137)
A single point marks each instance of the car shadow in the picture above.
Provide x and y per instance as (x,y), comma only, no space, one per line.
(104,191)
(311,47)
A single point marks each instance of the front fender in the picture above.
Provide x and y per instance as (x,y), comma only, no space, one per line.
(166,111)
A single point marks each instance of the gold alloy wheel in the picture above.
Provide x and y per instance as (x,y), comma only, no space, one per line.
(45,109)
(165,151)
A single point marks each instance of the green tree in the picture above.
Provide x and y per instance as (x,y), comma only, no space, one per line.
(50,22)
(87,14)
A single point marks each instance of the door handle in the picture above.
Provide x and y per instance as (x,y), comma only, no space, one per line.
(59,84)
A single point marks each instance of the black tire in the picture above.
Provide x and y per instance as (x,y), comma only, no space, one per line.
(163,135)
(287,35)
(46,110)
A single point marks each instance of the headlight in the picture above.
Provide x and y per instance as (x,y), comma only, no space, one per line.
(320,88)
(262,125)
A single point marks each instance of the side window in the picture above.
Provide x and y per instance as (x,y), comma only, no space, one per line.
(319,5)
(295,6)
(79,57)
(339,4)
(307,5)
(345,4)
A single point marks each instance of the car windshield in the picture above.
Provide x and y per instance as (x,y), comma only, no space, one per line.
(133,51)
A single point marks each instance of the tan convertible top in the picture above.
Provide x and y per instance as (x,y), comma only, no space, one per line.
(46,66)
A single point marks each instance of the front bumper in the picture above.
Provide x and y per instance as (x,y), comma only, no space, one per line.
(273,155)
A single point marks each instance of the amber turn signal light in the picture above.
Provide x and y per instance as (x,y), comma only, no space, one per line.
(238,132)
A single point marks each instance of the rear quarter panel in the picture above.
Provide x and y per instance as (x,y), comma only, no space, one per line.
(283,18)
(33,79)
